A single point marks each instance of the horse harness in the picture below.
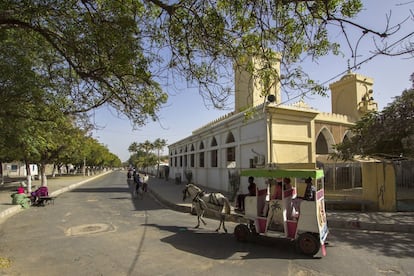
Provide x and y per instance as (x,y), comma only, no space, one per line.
(212,198)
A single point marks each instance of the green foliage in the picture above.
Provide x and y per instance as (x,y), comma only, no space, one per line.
(60,58)
(142,153)
(88,54)
(34,121)
(387,133)
(120,53)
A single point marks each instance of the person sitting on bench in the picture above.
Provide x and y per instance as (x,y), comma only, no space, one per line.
(42,191)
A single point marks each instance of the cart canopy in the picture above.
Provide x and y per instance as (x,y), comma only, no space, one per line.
(278,173)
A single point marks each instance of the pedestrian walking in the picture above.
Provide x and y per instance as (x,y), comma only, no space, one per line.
(137,182)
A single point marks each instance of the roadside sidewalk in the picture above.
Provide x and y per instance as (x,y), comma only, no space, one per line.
(171,195)
(56,186)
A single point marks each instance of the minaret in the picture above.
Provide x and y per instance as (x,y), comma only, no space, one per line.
(249,87)
(352,95)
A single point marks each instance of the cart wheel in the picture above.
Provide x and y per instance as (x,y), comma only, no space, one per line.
(308,244)
(241,232)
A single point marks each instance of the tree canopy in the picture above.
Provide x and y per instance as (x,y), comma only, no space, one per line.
(63,58)
(389,133)
(34,126)
(121,53)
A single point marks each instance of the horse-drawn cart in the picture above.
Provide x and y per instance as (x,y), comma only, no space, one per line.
(278,211)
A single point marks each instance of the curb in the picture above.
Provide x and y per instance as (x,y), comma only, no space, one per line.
(179,208)
(17,208)
(10,211)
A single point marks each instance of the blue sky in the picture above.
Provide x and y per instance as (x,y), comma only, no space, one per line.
(186,111)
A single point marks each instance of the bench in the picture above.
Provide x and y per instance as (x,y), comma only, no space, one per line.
(332,203)
(43,200)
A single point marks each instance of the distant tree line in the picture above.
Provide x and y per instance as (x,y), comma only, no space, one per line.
(146,154)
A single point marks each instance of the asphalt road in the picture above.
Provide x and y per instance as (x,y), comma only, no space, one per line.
(101,229)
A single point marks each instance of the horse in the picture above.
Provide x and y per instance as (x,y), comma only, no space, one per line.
(203,201)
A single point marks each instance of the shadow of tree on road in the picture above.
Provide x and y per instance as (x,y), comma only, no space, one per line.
(390,244)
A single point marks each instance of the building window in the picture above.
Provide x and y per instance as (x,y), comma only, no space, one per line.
(231,151)
(230,138)
(201,156)
(192,160)
(214,158)
(213,153)
(213,142)
(201,159)
(231,154)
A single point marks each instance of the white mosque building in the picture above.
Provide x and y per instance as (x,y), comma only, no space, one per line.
(276,135)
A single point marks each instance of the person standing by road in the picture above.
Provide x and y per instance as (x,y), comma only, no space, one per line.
(145,183)
(137,181)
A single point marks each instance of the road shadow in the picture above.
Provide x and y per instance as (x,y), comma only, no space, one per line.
(224,246)
(390,244)
(107,190)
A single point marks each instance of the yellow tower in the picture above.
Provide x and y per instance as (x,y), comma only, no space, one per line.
(249,87)
(352,95)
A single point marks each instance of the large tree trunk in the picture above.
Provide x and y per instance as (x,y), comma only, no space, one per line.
(54,170)
(43,174)
(1,174)
(28,176)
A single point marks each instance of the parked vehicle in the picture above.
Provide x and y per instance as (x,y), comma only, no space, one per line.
(278,211)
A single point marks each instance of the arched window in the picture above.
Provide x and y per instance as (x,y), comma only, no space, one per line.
(230,138)
(214,157)
(347,136)
(201,156)
(213,142)
(192,156)
(324,142)
(231,150)
(321,145)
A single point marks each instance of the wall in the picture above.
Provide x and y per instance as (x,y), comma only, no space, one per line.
(250,142)
(378,183)
(292,135)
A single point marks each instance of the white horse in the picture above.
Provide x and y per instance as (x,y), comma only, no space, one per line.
(207,201)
